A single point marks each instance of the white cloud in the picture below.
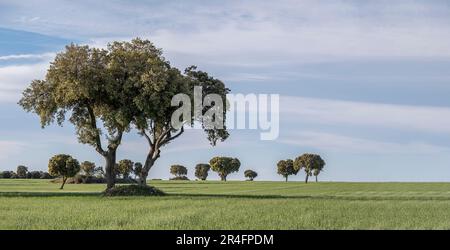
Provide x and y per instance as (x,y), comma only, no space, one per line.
(404,117)
(14,79)
(27,56)
(255,32)
(339,143)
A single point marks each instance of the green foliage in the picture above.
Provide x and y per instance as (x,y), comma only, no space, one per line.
(210,85)
(155,107)
(250,174)
(137,169)
(35,174)
(178,170)
(88,168)
(45,175)
(94,86)
(125,167)
(286,168)
(224,166)
(81,81)
(133,190)
(310,163)
(21,172)
(201,171)
(64,166)
(105,91)
(8,174)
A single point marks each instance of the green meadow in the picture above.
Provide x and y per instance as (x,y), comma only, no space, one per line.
(38,204)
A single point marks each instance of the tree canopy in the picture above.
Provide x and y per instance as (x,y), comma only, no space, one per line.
(250,174)
(88,168)
(125,167)
(224,166)
(64,166)
(310,163)
(156,108)
(178,170)
(286,168)
(201,171)
(22,171)
(137,169)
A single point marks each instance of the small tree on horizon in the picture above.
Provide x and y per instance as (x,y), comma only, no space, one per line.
(224,166)
(88,168)
(21,172)
(64,166)
(250,174)
(286,168)
(137,171)
(125,167)
(178,170)
(310,163)
(201,171)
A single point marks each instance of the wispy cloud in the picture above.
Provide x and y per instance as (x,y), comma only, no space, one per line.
(255,32)
(330,142)
(404,117)
(27,56)
(15,78)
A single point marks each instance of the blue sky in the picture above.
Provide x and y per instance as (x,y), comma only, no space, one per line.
(364,84)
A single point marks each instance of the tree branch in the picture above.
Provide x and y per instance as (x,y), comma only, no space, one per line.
(149,140)
(98,142)
(162,137)
(115,142)
(173,137)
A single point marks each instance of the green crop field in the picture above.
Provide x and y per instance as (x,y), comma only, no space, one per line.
(38,204)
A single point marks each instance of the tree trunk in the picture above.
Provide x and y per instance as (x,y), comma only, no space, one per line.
(64,182)
(286,178)
(223,177)
(316,179)
(149,162)
(307,176)
(142,180)
(109,168)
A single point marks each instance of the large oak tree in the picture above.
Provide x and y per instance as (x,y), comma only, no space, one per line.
(106,91)
(97,89)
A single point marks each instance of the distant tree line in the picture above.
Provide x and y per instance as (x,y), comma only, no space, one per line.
(68,169)
(223,166)
(64,168)
(23,173)
(311,164)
